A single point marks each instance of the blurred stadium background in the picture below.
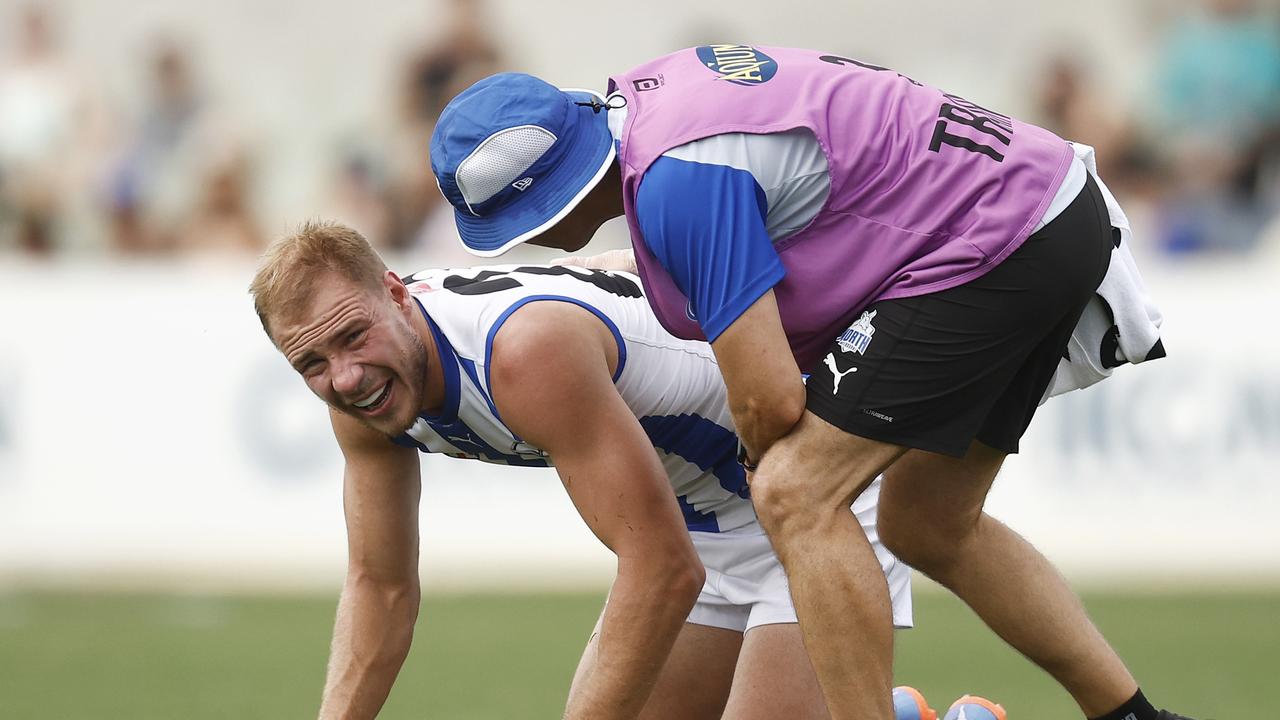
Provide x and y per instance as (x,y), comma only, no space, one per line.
(171,538)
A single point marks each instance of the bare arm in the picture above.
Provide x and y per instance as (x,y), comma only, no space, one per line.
(552,381)
(766,394)
(624,260)
(379,603)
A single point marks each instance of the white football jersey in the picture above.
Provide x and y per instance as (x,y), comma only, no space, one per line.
(673,386)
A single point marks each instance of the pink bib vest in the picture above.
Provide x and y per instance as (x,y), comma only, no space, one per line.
(928,190)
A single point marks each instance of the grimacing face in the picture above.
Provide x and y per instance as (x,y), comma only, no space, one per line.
(357,350)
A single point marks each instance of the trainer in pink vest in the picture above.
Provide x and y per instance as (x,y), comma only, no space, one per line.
(928,190)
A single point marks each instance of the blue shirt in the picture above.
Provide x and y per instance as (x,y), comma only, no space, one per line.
(712,209)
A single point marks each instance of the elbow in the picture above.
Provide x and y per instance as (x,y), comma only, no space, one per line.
(401,600)
(398,597)
(791,406)
(778,411)
(673,574)
(406,601)
(683,577)
(691,582)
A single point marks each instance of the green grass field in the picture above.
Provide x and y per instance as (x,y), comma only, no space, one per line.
(95,656)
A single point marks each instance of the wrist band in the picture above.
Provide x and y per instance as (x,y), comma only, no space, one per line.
(745,461)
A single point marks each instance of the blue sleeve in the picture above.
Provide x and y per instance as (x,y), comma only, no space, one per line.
(706,225)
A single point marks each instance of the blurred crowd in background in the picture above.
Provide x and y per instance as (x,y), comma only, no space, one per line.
(177,170)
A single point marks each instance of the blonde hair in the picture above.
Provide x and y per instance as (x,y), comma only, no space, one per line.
(291,263)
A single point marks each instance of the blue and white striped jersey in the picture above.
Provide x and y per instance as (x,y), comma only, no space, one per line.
(673,386)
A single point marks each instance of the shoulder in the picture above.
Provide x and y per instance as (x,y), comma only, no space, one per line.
(541,336)
(749,151)
(551,361)
(750,161)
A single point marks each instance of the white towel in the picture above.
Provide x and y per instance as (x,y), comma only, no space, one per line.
(1121,324)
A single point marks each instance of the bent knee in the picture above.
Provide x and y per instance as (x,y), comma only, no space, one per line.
(814,473)
(779,500)
(928,547)
(790,500)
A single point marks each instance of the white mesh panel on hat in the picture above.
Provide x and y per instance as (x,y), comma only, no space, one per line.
(500,160)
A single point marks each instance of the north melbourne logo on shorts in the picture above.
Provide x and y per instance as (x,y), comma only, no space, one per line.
(858,336)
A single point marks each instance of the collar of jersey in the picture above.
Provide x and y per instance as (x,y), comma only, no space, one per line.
(448,360)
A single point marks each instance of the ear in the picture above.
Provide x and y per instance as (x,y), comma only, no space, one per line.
(399,293)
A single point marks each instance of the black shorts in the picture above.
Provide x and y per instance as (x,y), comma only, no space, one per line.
(937,371)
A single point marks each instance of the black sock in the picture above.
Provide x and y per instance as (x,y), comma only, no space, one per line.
(1137,708)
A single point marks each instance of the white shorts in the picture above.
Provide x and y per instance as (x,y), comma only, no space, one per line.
(746,586)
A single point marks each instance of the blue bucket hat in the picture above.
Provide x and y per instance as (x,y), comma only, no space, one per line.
(514,154)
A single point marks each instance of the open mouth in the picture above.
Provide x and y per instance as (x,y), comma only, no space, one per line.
(376,400)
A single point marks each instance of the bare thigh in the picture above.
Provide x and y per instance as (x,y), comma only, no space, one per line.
(774,678)
(931,503)
(695,682)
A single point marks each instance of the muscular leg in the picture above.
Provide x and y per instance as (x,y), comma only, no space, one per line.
(774,678)
(802,492)
(931,517)
(695,681)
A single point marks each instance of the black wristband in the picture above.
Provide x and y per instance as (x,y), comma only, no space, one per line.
(745,461)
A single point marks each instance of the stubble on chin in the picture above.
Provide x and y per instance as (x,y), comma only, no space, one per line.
(404,426)
(416,361)
(391,431)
